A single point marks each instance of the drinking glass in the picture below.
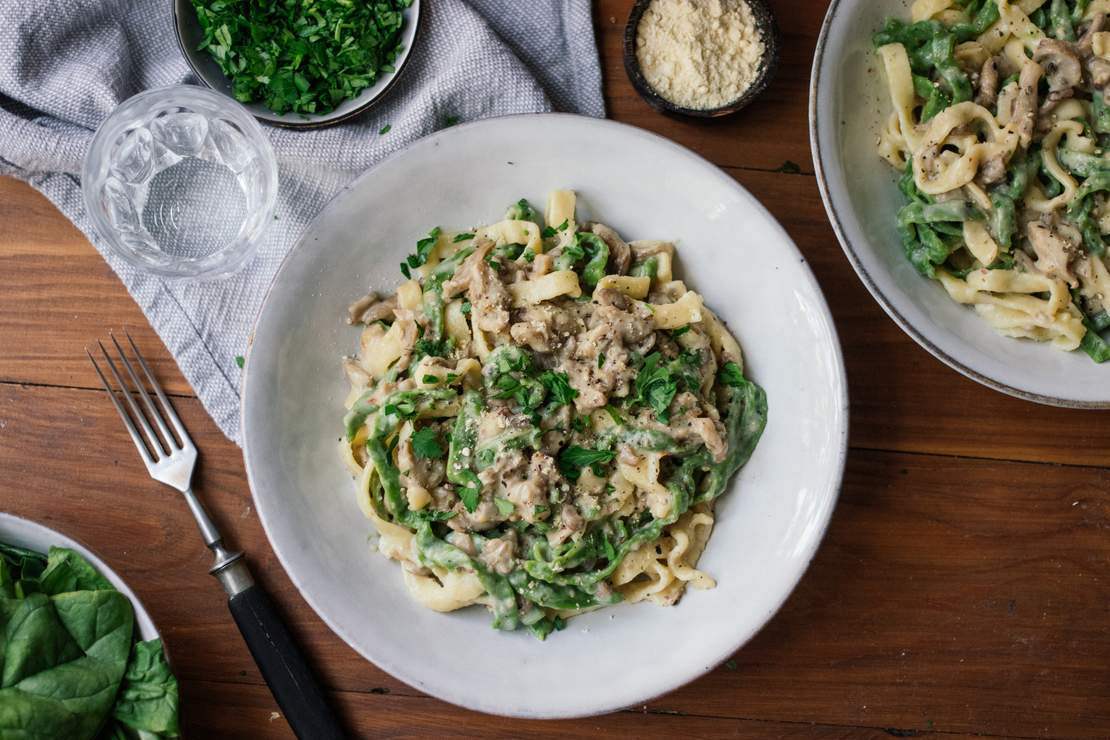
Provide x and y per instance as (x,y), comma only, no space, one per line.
(181,182)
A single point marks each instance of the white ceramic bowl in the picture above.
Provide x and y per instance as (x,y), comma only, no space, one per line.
(848,104)
(16,530)
(770,521)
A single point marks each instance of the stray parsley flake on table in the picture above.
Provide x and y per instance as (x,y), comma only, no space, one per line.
(301,56)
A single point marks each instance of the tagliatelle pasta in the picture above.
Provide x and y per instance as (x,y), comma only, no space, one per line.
(541,418)
(1001,132)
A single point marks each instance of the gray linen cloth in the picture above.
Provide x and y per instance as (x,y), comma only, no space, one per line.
(65,64)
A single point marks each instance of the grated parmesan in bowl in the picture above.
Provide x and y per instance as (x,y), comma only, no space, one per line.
(700,57)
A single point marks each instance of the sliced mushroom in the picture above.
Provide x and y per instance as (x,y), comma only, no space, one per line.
(644,248)
(371,308)
(1098,22)
(992,170)
(1045,118)
(620,254)
(1061,64)
(1098,69)
(356,375)
(1054,249)
(988,84)
(1025,104)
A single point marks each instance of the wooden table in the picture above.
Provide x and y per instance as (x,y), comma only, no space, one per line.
(962,588)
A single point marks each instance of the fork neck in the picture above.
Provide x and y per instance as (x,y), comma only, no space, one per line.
(204,522)
(233,579)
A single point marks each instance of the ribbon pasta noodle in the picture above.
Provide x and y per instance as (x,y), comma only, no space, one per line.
(541,418)
(1000,132)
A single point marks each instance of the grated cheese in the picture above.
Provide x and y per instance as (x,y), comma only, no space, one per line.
(699,53)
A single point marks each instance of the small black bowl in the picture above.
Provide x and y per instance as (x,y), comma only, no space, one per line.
(764,21)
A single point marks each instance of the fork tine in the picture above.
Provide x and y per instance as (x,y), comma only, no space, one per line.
(138,440)
(155,444)
(174,419)
(147,401)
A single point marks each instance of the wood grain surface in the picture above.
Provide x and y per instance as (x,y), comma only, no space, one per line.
(961,590)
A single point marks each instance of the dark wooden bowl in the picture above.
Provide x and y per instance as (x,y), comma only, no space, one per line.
(764,21)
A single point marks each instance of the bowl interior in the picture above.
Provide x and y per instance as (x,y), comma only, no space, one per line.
(730,249)
(849,104)
(190,35)
(16,530)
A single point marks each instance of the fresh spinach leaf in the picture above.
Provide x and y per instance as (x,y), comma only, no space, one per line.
(148,695)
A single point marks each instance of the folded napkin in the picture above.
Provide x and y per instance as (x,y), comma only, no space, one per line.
(65,64)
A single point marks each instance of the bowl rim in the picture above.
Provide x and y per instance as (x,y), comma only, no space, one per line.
(312,120)
(765,22)
(837,466)
(147,629)
(852,253)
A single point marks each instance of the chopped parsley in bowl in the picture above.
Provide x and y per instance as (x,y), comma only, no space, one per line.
(298,62)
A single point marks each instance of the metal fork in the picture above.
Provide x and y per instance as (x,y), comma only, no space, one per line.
(170,458)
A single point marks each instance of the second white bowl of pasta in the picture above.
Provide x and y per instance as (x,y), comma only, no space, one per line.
(571,396)
(960,151)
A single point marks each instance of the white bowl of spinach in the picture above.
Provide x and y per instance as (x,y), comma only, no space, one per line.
(79,655)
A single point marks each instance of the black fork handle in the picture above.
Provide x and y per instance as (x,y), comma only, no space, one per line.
(291,680)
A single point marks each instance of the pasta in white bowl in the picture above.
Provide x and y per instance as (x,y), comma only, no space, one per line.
(728,251)
(962,141)
(542,417)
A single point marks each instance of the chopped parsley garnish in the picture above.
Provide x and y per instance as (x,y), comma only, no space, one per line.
(430,379)
(462,237)
(526,392)
(659,381)
(430,348)
(485,457)
(469,495)
(600,360)
(655,387)
(731,375)
(301,57)
(405,271)
(504,507)
(405,408)
(449,121)
(549,232)
(465,308)
(614,414)
(423,249)
(558,385)
(522,210)
(574,458)
(570,255)
(385,129)
(240,360)
(425,444)
(580,423)
(680,331)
